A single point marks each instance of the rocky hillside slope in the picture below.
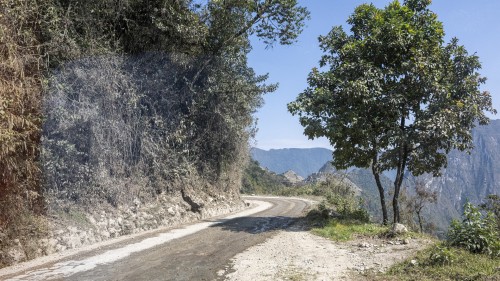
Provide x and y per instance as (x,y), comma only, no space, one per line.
(133,105)
(469,177)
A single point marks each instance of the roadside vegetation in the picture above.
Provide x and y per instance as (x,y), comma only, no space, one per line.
(107,103)
(470,251)
(342,217)
(440,262)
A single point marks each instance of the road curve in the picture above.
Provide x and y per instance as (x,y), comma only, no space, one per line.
(201,251)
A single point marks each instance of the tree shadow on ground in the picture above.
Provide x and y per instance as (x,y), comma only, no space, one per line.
(256,225)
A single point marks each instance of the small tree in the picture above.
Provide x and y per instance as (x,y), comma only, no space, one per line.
(393,96)
(423,195)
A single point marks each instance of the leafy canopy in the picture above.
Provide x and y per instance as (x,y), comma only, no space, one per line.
(392,89)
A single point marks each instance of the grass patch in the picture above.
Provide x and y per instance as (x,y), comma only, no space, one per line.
(345,230)
(341,229)
(442,263)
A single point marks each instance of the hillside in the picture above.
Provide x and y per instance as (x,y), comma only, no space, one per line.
(118,117)
(303,161)
(257,180)
(468,177)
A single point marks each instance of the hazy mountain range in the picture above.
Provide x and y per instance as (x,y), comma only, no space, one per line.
(467,177)
(302,161)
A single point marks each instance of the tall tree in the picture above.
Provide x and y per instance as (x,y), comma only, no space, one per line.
(225,90)
(393,96)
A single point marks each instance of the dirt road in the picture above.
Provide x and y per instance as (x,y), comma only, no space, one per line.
(201,251)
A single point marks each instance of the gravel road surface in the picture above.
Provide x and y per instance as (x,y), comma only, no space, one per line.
(201,251)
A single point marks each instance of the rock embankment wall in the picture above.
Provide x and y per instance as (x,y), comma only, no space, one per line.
(72,227)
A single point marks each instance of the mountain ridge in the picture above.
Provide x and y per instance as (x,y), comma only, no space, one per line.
(467,177)
(303,161)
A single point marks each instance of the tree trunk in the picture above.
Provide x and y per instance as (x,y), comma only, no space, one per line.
(402,157)
(381,192)
(420,221)
(395,206)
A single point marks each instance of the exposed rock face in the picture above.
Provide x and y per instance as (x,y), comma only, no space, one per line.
(398,228)
(292,177)
(469,176)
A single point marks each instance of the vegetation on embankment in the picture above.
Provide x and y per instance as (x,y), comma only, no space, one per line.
(470,252)
(116,103)
(438,262)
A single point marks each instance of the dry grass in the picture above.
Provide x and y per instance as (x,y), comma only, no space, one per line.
(21,86)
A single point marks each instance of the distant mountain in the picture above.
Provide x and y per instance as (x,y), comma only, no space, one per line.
(469,176)
(303,161)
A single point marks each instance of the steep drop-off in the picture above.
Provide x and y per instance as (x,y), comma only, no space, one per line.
(469,177)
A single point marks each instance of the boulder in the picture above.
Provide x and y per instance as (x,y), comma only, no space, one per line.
(398,228)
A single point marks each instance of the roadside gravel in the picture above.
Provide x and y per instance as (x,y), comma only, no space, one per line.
(295,254)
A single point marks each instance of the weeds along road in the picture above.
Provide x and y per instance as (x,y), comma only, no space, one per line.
(200,251)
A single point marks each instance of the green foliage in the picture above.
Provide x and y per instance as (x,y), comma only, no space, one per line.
(441,255)
(348,207)
(492,204)
(345,230)
(439,262)
(259,181)
(476,233)
(393,67)
(470,253)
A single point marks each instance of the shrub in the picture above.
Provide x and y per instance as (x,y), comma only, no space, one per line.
(476,233)
(492,204)
(348,207)
(441,256)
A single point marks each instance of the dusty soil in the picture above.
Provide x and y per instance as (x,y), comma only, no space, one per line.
(295,254)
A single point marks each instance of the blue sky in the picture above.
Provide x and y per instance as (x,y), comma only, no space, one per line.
(475,23)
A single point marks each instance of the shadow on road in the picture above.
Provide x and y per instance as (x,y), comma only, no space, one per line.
(255,225)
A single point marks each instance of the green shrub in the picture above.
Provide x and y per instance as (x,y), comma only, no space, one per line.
(349,207)
(492,204)
(441,255)
(476,233)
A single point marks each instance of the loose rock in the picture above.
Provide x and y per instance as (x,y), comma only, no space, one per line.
(398,228)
